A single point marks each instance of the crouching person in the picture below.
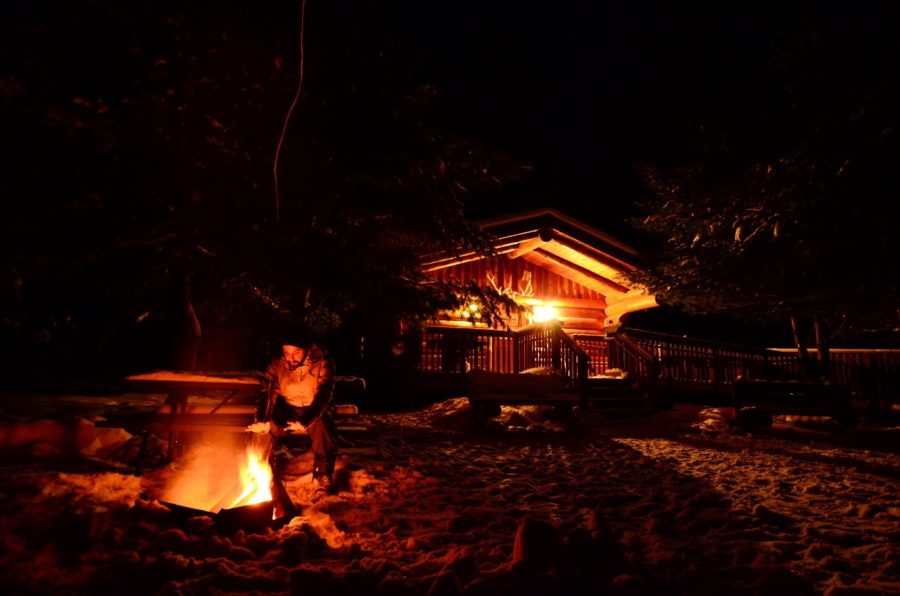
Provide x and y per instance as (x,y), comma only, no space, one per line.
(300,386)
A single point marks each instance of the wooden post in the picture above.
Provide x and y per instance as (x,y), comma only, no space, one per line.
(515,351)
(555,351)
(871,383)
(822,350)
(714,366)
(800,344)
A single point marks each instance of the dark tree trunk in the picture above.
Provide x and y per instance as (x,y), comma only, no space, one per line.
(802,352)
(186,329)
(822,350)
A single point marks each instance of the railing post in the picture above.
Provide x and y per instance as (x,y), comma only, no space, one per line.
(555,352)
(515,362)
(714,369)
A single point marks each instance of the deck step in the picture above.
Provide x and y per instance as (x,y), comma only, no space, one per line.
(615,396)
(625,412)
(612,392)
(617,400)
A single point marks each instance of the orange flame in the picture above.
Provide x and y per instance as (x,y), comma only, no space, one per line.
(256,479)
(213,476)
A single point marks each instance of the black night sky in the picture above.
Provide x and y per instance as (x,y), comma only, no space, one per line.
(141,138)
(583,91)
(716,414)
(578,91)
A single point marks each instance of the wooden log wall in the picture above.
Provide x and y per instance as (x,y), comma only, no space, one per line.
(523,279)
(511,274)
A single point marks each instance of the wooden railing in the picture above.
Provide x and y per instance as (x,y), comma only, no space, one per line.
(629,355)
(448,350)
(654,358)
(872,374)
(690,362)
(548,346)
(597,348)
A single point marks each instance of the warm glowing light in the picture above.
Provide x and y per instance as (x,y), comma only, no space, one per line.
(470,311)
(256,479)
(544,312)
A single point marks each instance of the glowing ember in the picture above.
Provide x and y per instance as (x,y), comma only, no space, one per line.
(256,479)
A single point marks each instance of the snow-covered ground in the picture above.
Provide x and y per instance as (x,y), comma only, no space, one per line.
(675,503)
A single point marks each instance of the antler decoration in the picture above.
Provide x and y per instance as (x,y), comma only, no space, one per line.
(492,279)
(525,285)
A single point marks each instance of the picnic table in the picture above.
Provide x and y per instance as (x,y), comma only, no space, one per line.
(756,401)
(178,386)
(199,402)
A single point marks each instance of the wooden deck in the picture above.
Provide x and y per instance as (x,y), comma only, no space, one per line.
(667,366)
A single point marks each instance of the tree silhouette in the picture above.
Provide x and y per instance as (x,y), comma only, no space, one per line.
(782,211)
(140,176)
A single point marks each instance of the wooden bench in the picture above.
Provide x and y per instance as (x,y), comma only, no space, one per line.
(755,402)
(487,391)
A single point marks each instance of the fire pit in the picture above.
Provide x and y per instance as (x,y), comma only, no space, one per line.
(254,517)
(248,504)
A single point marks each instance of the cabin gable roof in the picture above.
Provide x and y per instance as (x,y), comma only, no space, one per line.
(563,247)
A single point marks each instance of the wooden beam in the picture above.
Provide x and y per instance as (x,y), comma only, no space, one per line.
(572,311)
(526,247)
(580,322)
(563,302)
(538,214)
(501,246)
(576,273)
(616,309)
(591,252)
(460,260)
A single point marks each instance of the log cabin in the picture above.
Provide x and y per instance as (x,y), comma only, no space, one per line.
(571,281)
(555,265)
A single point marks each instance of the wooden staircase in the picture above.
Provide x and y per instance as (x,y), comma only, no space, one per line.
(633,393)
(616,397)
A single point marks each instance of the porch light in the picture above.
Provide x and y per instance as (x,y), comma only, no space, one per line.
(544,312)
(474,311)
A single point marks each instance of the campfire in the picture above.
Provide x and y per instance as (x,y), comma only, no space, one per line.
(234,488)
(255,481)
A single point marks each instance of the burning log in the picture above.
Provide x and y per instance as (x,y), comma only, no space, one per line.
(258,499)
(255,483)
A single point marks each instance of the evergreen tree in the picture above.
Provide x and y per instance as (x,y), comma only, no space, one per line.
(139,184)
(782,212)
